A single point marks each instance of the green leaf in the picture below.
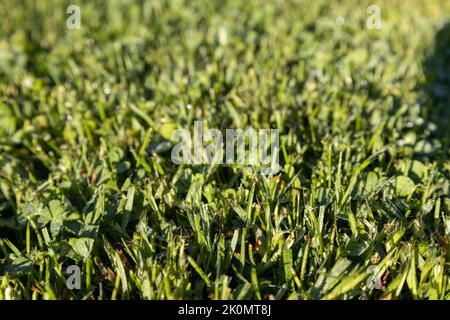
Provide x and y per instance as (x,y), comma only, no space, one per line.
(167,130)
(404,186)
(20,265)
(324,196)
(368,183)
(82,246)
(199,270)
(416,170)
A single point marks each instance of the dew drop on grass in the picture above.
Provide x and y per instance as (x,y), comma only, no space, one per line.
(27,82)
(340,21)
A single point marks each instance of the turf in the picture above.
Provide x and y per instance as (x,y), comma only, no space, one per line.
(86,176)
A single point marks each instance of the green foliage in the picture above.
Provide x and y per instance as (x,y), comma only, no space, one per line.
(86,177)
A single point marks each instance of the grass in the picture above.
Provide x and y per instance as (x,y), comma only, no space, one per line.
(86,176)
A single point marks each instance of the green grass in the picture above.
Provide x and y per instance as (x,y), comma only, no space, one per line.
(86,176)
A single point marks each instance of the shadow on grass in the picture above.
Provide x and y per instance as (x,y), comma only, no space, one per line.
(437,87)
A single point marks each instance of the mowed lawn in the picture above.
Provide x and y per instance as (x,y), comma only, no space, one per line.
(360,209)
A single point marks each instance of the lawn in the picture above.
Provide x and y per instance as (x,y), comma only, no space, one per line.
(359,210)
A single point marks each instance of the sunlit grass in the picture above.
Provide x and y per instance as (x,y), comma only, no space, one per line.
(86,176)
